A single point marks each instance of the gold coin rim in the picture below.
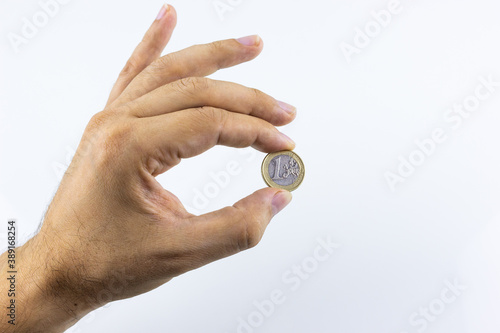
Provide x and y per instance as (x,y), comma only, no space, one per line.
(267,179)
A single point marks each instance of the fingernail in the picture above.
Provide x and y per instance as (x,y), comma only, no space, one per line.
(164,9)
(280,201)
(287,138)
(287,107)
(249,40)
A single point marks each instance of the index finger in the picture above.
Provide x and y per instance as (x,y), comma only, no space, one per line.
(197,60)
(165,140)
(148,50)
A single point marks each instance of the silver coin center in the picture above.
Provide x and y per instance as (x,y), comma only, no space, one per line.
(284,170)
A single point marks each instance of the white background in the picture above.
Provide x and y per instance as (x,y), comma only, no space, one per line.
(354,120)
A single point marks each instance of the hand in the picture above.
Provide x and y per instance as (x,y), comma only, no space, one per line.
(112,231)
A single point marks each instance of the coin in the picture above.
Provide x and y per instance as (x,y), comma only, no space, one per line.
(283,169)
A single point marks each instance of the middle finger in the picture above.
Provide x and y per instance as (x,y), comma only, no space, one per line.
(196,92)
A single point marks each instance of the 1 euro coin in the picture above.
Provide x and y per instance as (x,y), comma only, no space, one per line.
(283,169)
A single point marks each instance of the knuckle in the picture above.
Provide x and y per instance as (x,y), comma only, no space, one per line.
(119,132)
(212,121)
(166,66)
(130,67)
(112,141)
(167,62)
(257,93)
(193,85)
(211,115)
(98,120)
(221,55)
(161,63)
(249,231)
(261,99)
(216,46)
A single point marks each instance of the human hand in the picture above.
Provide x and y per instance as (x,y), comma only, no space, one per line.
(112,231)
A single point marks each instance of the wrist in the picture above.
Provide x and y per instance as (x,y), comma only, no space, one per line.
(43,303)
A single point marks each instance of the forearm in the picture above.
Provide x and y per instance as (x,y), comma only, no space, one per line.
(39,304)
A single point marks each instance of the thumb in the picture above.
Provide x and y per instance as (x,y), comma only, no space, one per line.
(237,228)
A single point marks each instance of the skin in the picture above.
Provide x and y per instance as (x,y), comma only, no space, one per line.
(112,231)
